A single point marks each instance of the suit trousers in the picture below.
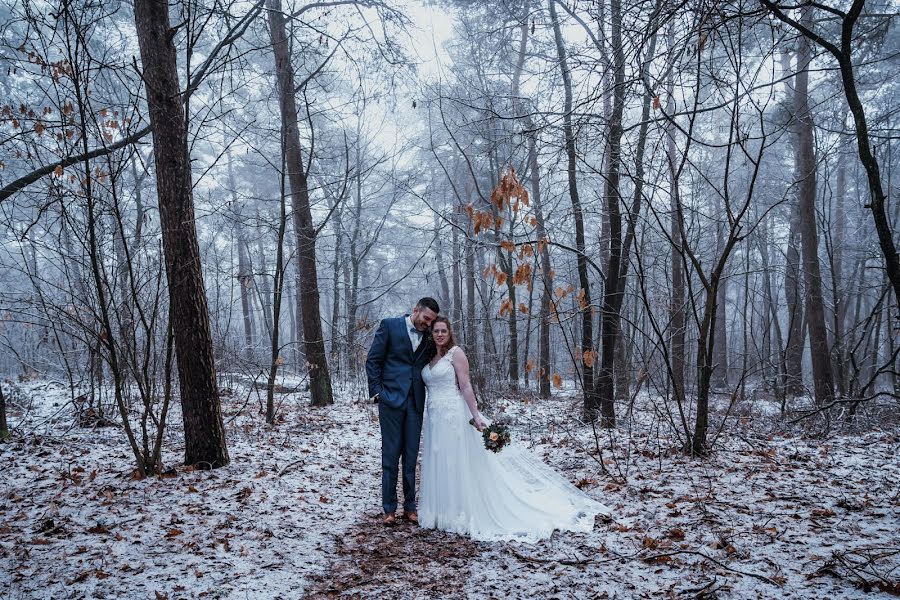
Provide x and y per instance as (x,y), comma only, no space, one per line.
(401,431)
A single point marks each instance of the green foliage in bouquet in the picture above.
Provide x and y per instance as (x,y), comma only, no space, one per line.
(496,435)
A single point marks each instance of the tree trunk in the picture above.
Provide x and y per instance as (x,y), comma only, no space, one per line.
(264,289)
(805,168)
(337,221)
(615,282)
(471,327)
(676,258)
(720,364)
(203,429)
(308,286)
(543,371)
(546,278)
(244,274)
(592,406)
(4,426)
(355,260)
(444,300)
(772,322)
(839,297)
(275,360)
(457,307)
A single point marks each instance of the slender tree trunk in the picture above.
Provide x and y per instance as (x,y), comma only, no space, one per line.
(444,300)
(457,309)
(244,274)
(512,323)
(614,288)
(771,307)
(264,289)
(592,405)
(355,262)
(805,166)
(337,220)
(203,428)
(543,252)
(308,286)
(839,297)
(544,367)
(275,360)
(677,305)
(720,365)
(471,326)
(4,426)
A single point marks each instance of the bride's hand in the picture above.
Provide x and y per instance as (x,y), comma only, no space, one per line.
(479,423)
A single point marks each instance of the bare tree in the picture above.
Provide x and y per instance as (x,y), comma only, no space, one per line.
(204,432)
(805,168)
(307,280)
(592,404)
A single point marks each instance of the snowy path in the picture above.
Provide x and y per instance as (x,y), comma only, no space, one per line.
(764,517)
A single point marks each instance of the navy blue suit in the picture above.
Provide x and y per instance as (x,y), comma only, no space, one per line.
(394,372)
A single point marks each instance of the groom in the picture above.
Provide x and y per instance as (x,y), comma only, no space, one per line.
(401,348)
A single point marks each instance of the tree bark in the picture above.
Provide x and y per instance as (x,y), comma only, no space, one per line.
(244,275)
(543,371)
(614,287)
(264,289)
(677,305)
(337,219)
(204,432)
(839,297)
(592,406)
(4,426)
(805,169)
(308,287)
(720,365)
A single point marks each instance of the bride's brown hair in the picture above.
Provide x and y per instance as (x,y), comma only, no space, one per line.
(450,341)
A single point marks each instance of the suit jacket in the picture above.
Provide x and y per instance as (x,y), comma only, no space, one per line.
(393,368)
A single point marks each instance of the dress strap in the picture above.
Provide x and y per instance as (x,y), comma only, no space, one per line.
(450,353)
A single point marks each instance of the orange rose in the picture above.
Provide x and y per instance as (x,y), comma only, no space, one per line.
(494,436)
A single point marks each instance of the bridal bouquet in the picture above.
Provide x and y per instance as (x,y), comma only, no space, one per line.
(496,435)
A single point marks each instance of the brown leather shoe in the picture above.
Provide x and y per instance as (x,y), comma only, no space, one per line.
(411,517)
(389,519)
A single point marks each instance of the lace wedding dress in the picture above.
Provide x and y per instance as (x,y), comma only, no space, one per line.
(466,489)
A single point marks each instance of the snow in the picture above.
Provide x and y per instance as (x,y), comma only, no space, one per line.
(769,514)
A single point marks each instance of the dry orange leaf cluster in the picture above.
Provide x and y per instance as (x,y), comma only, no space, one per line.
(508,189)
(523,274)
(492,271)
(482,219)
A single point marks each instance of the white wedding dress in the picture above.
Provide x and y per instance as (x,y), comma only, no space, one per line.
(467,489)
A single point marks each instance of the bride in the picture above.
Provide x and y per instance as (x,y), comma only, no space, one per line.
(469,490)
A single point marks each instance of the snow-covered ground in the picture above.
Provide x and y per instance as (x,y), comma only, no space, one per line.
(296,512)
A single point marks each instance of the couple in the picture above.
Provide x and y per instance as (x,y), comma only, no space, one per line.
(466,489)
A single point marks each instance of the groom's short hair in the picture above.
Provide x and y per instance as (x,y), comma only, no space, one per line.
(429,303)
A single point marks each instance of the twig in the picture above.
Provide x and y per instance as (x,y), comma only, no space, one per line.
(713,560)
(249,392)
(289,465)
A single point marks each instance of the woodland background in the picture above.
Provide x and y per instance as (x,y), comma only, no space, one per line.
(663,231)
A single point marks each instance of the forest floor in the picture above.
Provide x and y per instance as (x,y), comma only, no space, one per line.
(771,513)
